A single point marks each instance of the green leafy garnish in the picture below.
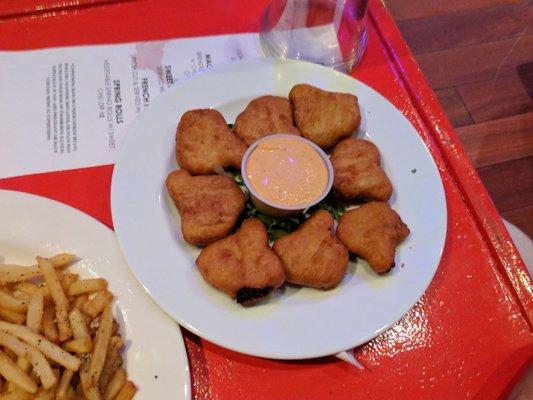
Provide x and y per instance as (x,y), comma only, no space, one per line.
(238,179)
(276,226)
(329,204)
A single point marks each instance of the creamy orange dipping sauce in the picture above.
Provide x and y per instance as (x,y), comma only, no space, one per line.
(286,171)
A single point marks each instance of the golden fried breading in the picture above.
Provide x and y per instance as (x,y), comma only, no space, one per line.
(357,171)
(312,255)
(372,231)
(324,117)
(264,116)
(204,142)
(209,206)
(242,265)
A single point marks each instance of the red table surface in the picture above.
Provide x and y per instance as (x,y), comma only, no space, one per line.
(469,336)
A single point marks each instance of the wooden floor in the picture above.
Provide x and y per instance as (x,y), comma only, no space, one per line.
(478,57)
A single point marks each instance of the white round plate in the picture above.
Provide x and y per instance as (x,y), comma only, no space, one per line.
(294,323)
(154,354)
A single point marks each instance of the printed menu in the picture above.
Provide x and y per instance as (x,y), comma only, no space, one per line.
(67,108)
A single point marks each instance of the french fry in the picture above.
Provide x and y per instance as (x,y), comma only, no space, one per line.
(34,315)
(79,302)
(93,324)
(34,375)
(115,344)
(27,287)
(44,394)
(16,393)
(115,384)
(18,273)
(30,288)
(98,303)
(77,322)
(49,325)
(101,344)
(33,321)
(19,294)
(79,346)
(87,286)
(23,364)
(84,372)
(51,350)
(67,279)
(64,385)
(36,358)
(127,392)
(9,302)
(11,354)
(90,391)
(112,363)
(60,300)
(10,371)
(12,316)
(46,294)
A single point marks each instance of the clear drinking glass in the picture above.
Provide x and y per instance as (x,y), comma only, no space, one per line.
(328,32)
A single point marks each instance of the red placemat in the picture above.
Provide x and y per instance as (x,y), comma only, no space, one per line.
(21,8)
(470,334)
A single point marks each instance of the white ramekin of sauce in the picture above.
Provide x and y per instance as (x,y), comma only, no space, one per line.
(286,174)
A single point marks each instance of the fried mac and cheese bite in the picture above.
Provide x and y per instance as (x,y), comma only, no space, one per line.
(312,255)
(324,117)
(265,115)
(372,232)
(209,205)
(204,143)
(242,265)
(357,171)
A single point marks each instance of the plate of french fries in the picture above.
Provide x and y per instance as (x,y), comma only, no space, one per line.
(74,323)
